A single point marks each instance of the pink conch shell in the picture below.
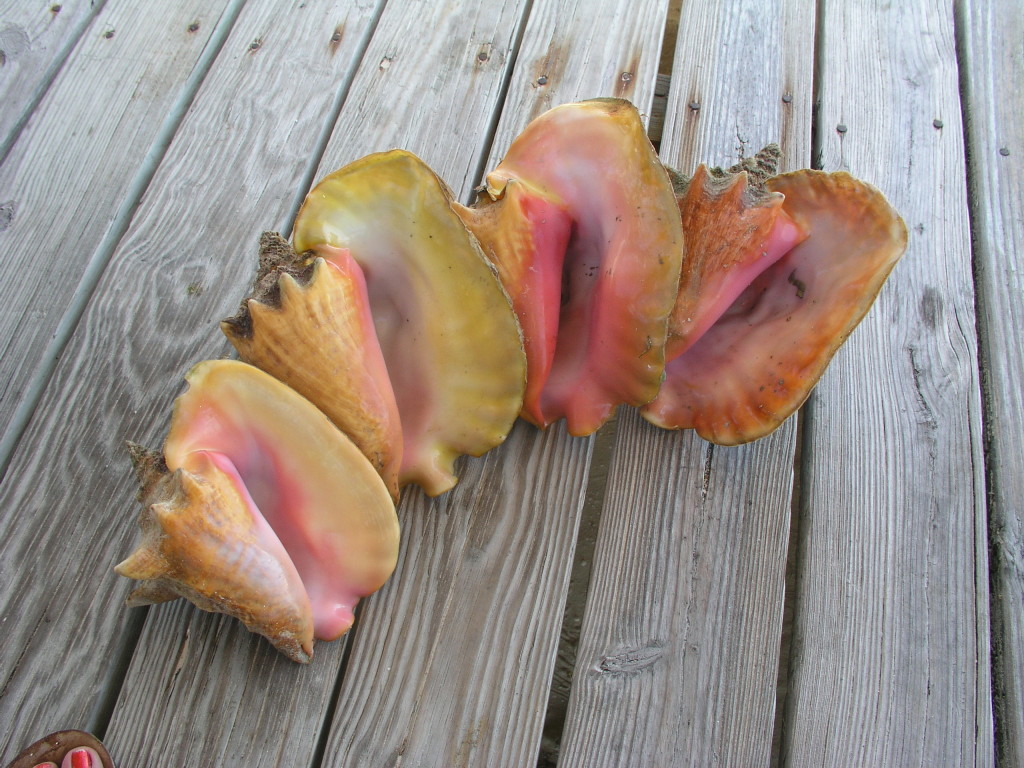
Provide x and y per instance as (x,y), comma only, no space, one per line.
(261,509)
(759,361)
(581,221)
(309,325)
(450,339)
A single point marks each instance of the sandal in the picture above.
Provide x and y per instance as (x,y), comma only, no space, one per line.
(64,749)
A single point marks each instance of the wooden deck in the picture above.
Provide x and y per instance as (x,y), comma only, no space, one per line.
(848,591)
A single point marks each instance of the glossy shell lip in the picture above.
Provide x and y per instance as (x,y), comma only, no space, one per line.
(53,748)
(450,340)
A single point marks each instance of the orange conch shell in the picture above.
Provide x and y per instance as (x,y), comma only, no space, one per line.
(197,518)
(757,363)
(309,325)
(261,509)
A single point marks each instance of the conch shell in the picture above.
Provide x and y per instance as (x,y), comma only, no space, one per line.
(261,509)
(450,340)
(746,356)
(581,221)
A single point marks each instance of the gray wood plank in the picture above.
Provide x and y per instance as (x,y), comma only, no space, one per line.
(993,60)
(453,663)
(679,651)
(434,94)
(64,183)
(250,140)
(891,646)
(35,39)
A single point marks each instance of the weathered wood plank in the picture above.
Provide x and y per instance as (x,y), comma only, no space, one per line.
(993,61)
(63,183)
(434,94)
(452,663)
(891,646)
(35,39)
(234,167)
(678,656)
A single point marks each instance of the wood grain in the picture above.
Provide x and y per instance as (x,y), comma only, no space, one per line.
(678,657)
(435,95)
(453,665)
(891,659)
(993,59)
(35,39)
(64,181)
(186,262)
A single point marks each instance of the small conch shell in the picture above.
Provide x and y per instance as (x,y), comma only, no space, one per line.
(262,509)
(450,340)
(581,221)
(309,325)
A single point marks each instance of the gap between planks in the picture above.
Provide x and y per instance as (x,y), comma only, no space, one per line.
(50,72)
(989,109)
(597,480)
(308,180)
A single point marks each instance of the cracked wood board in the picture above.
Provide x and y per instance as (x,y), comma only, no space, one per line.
(452,663)
(678,656)
(891,646)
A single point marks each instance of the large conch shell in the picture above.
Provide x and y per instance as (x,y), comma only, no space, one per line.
(819,247)
(450,340)
(581,221)
(262,509)
(309,325)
